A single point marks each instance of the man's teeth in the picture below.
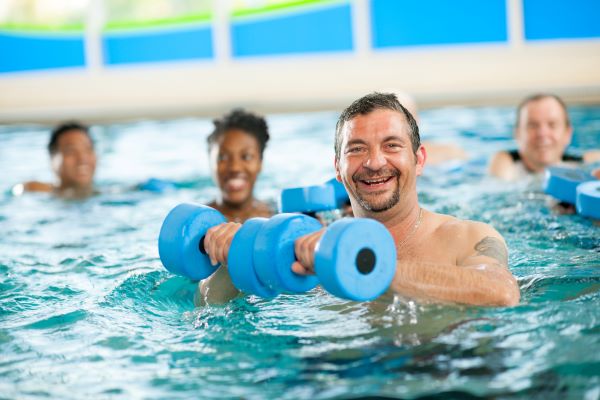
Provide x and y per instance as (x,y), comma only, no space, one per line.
(375,181)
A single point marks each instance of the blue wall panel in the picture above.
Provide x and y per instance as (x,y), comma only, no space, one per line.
(430,22)
(167,44)
(556,19)
(310,30)
(24,52)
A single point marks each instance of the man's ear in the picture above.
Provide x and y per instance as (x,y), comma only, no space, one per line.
(569,134)
(338,175)
(421,156)
(55,162)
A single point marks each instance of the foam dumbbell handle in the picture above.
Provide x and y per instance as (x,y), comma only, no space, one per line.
(274,252)
(240,260)
(588,199)
(561,183)
(180,240)
(356,259)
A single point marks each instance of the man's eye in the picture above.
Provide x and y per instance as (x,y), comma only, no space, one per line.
(354,149)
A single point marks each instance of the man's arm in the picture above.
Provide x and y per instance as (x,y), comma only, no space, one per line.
(591,156)
(480,275)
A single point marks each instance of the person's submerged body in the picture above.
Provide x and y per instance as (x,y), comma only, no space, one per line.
(236,149)
(378,159)
(543,131)
(73,161)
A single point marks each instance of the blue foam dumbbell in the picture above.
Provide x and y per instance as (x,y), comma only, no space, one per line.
(180,243)
(588,199)
(355,259)
(561,183)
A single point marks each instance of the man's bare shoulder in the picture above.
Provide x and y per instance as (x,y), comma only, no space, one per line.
(502,166)
(448,225)
(470,237)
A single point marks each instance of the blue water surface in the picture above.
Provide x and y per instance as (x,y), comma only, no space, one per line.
(87,310)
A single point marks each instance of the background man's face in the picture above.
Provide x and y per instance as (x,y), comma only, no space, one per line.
(543,133)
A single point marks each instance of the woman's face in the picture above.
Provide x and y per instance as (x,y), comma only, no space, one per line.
(235,162)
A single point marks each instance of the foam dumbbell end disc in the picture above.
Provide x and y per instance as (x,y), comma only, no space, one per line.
(561,183)
(240,260)
(588,199)
(179,242)
(307,199)
(274,252)
(341,195)
(356,259)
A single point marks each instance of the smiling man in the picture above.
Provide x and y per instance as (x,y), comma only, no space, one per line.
(378,157)
(73,160)
(543,131)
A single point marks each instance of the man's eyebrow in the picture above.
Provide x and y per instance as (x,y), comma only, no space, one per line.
(394,137)
(355,141)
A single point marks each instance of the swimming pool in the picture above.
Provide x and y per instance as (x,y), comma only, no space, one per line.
(86,309)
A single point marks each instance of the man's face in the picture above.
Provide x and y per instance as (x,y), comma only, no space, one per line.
(543,133)
(377,163)
(75,160)
(236,162)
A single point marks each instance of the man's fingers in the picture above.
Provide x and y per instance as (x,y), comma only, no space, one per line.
(300,269)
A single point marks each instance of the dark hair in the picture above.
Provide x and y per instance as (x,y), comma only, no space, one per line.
(538,97)
(369,103)
(238,118)
(64,128)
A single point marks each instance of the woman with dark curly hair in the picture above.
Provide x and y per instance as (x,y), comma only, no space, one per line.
(236,148)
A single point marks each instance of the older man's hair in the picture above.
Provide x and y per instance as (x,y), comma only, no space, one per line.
(369,103)
(538,97)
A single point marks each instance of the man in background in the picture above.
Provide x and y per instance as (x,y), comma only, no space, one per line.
(543,131)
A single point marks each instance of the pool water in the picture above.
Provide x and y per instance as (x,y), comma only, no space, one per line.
(87,310)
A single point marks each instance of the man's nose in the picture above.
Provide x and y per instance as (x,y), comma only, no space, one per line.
(543,130)
(375,160)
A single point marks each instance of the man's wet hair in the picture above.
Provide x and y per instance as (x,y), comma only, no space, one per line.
(538,97)
(64,128)
(239,119)
(369,103)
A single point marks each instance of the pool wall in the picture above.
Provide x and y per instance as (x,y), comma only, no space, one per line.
(305,55)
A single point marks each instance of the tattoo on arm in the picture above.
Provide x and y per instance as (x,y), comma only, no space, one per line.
(494,248)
